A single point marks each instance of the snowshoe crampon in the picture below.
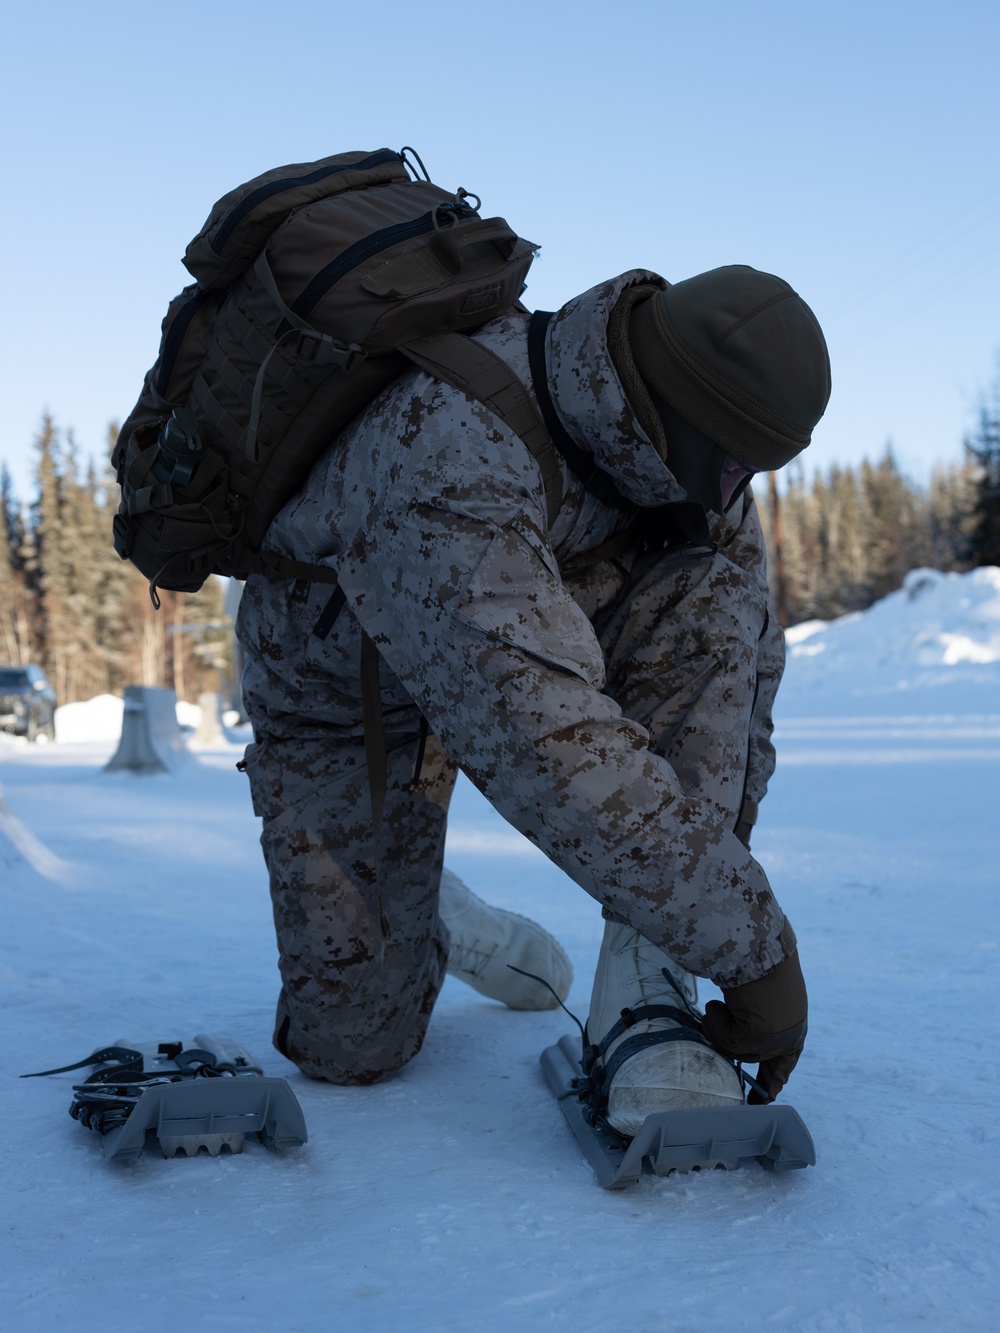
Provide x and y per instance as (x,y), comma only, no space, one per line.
(209,1094)
(704,1138)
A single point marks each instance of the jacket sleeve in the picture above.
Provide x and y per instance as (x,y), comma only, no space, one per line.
(743,542)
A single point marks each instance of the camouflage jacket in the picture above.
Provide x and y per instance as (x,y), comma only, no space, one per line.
(433,512)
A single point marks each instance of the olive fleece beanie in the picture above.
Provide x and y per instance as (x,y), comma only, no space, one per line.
(740,356)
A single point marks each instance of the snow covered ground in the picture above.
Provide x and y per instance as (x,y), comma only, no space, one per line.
(453,1197)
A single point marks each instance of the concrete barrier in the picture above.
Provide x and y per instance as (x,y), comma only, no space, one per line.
(209,729)
(151,740)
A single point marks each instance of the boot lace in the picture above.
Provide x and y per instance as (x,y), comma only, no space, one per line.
(471,954)
(655,976)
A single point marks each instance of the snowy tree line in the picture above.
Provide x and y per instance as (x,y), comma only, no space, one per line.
(840,540)
(71,605)
(837,542)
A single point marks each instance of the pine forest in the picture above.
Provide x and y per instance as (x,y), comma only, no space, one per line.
(71,605)
(837,541)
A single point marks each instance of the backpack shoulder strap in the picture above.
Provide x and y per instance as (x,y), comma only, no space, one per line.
(473,369)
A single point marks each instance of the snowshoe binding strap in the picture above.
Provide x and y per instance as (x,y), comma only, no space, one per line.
(122,1055)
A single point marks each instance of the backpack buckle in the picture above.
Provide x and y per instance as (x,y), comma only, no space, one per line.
(324,350)
(122,530)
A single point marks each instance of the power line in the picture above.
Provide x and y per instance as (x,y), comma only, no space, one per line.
(940,238)
(924,296)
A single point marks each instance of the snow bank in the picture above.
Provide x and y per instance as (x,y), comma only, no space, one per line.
(100,719)
(934,621)
(188,715)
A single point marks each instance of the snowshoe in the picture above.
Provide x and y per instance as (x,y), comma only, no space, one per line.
(690,1139)
(205,1095)
(644,1036)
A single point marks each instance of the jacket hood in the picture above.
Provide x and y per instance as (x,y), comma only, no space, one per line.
(589,394)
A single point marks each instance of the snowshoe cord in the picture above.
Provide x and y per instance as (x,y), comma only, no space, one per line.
(542,982)
(108,1097)
(123,1055)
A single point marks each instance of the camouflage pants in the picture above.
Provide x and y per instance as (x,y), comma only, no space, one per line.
(607,717)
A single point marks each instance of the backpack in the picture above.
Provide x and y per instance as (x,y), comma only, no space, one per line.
(316,285)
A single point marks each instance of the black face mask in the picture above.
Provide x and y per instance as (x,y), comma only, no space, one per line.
(695,460)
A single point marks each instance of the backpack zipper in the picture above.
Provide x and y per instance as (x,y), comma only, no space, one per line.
(361,250)
(321,283)
(233,219)
(175,337)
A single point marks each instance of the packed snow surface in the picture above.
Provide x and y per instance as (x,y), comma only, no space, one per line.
(453,1197)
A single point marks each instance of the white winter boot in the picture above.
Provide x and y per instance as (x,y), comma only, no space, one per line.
(485,939)
(663,1076)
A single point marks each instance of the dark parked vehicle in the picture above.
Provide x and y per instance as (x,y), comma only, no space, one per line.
(27,702)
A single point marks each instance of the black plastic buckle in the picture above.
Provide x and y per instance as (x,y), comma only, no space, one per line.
(122,530)
(325,350)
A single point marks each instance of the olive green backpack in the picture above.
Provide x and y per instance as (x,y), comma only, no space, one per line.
(316,285)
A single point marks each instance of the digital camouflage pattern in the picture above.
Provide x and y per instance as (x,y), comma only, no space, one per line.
(605,706)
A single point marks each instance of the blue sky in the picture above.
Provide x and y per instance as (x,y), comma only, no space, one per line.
(849,147)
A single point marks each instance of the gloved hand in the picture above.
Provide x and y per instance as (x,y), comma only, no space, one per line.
(765,1021)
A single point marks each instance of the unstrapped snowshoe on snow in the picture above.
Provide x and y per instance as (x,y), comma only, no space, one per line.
(691,1139)
(208,1094)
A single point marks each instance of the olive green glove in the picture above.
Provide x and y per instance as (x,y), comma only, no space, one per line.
(765,1021)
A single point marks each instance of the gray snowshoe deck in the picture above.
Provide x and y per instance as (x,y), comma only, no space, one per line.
(205,1095)
(691,1140)
(210,1114)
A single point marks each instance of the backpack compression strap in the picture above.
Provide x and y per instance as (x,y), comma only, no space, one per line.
(473,369)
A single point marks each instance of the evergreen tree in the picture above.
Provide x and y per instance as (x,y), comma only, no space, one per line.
(19,609)
(114,578)
(69,570)
(849,537)
(952,502)
(846,578)
(10,648)
(884,504)
(6,535)
(983,448)
(53,615)
(800,561)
